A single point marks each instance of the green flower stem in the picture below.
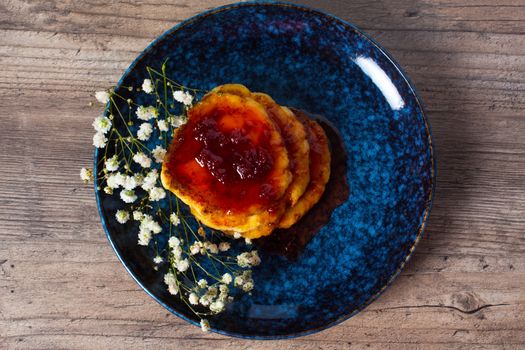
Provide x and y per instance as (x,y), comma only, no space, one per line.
(121,117)
(109,138)
(136,142)
(122,142)
(213,264)
(218,279)
(124,99)
(164,105)
(164,81)
(223,263)
(181,87)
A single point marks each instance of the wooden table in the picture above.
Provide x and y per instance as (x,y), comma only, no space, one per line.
(61,284)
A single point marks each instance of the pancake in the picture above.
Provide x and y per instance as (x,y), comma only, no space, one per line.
(295,138)
(297,145)
(229,164)
(293,132)
(244,164)
(320,159)
(319,162)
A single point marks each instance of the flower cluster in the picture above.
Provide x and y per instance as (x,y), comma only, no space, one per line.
(214,296)
(201,266)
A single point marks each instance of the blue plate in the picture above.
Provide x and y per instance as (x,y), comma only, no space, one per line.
(319,63)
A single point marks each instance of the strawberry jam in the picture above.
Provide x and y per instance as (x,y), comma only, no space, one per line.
(231,156)
(225,153)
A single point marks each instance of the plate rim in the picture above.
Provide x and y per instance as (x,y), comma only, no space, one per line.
(429,201)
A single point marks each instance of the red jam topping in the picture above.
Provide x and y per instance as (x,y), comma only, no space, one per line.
(231,156)
(224,152)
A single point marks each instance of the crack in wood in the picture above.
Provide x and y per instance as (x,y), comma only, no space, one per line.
(468,312)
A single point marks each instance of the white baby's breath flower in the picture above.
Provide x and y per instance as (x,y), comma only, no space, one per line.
(183,265)
(170,278)
(163,126)
(128,196)
(144,229)
(217,306)
(142,159)
(102,124)
(112,163)
(202,283)
(156,228)
(205,325)
(238,281)
(205,300)
(226,278)
(144,131)
(158,259)
(223,289)
(130,182)
(148,224)
(177,254)
(147,86)
(212,247)
(137,215)
(255,259)
(99,140)
(174,219)
(115,180)
(174,242)
(237,235)
(183,97)
(122,216)
(244,279)
(196,248)
(224,246)
(102,96)
(171,281)
(248,241)
(156,194)
(248,286)
(212,291)
(144,238)
(225,298)
(158,153)
(108,190)
(193,299)
(177,121)
(173,289)
(139,178)
(147,113)
(86,175)
(150,180)
(248,259)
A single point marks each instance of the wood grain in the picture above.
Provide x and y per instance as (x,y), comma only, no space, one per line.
(61,285)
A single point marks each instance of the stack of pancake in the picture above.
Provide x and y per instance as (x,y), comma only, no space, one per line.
(244,164)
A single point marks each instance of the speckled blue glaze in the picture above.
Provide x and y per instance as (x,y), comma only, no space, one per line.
(305,59)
